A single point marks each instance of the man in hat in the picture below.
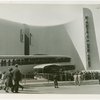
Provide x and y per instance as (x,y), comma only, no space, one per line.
(16,78)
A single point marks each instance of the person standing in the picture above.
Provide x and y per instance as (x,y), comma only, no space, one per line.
(16,78)
(75,78)
(79,78)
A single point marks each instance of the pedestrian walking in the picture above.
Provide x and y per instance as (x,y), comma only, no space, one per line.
(16,78)
(2,79)
(55,81)
(8,80)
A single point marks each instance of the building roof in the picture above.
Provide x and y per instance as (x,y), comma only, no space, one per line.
(32,56)
(43,65)
(55,64)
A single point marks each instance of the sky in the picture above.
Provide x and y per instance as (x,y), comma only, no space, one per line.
(40,14)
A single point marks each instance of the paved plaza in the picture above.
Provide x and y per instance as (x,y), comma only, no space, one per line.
(65,87)
(83,89)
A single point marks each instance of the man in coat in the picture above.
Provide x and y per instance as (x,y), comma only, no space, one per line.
(16,78)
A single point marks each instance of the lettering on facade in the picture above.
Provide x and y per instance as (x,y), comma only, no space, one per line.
(87,41)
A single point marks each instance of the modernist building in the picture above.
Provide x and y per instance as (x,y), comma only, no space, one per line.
(75,39)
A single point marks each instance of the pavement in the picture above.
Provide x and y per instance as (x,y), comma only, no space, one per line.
(83,89)
(44,83)
(65,87)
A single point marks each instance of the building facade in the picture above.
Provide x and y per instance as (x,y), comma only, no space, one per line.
(63,39)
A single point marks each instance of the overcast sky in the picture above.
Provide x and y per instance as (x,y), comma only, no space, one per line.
(39,14)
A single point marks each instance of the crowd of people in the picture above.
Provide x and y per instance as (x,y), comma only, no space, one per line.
(86,75)
(10,80)
(77,77)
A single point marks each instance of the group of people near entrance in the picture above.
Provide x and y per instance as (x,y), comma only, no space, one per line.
(11,79)
(76,76)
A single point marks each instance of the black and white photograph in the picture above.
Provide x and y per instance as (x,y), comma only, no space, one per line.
(49,48)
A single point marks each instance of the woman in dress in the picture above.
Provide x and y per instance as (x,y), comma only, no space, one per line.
(8,80)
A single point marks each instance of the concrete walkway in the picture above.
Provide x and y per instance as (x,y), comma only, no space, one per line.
(44,83)
(72,89)
(65,87)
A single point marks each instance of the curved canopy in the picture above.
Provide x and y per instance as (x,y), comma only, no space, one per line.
(44,65)
(47,68)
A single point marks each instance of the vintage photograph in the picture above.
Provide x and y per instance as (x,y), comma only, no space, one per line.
(49,48)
